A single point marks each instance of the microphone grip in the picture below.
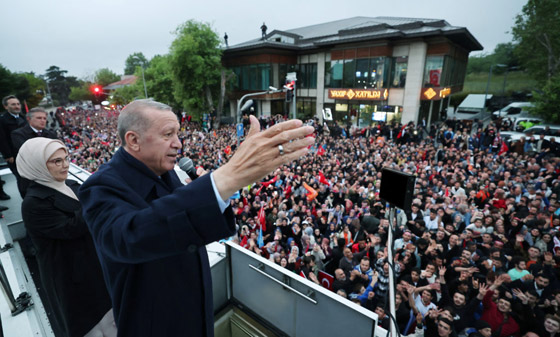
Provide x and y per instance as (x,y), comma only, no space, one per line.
(192,174)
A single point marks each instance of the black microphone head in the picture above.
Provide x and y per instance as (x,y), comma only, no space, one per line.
(186,164)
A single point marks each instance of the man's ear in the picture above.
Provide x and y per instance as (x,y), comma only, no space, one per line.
(132,141)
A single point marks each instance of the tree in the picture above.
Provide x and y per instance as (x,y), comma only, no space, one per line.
(537,31)
(195,59)
(36,89)
(82,92)
(125,95)
(105,76)
(159,80)
(60,84)
(547,101)
(133,61)
(503,54)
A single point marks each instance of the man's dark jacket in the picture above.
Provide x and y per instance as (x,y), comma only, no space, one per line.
(150,234)
(23,134)
(8,124)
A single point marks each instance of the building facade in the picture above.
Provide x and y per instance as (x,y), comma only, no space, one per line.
(357,70)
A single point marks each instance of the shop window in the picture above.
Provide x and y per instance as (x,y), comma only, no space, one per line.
(362,73)
(306,108)
(377,78)
(399,72)
(349,73)
(333,74)
(433,71)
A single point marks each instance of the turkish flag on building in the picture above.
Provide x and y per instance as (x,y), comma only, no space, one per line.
(326,280)
(435,75)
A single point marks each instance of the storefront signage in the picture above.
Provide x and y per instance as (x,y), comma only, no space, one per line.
(359,94)
(435,94)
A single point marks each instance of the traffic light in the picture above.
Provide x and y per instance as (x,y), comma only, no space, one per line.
(96,89)
(290,86)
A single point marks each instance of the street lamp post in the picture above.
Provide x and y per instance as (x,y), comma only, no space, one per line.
(143,78)
(488,83)
(271,90)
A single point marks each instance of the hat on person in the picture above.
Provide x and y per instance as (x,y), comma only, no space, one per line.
(481,324)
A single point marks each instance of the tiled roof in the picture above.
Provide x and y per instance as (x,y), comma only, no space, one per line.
(125,81)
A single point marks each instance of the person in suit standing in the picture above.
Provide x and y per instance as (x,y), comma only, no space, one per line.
(35,127)
(150,230)
(68,265)
(9,121)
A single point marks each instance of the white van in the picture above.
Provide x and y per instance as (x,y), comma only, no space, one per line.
(513,110)
(471,108)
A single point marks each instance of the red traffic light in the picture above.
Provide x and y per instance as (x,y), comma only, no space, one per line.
(96,89)
(290,85)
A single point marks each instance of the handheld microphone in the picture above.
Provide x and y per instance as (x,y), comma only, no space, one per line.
(186,164)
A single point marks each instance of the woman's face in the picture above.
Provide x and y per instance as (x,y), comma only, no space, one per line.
(58,165)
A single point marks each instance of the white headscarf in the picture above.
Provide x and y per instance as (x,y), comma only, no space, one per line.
(32,160)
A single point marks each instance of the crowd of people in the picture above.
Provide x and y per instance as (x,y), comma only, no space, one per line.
(476,254)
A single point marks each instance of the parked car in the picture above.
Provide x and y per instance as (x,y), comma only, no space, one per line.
(549,131)
(518,123)
(515,109)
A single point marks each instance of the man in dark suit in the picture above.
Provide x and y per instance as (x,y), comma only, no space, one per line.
(36,127)
(9,121)
(150,231)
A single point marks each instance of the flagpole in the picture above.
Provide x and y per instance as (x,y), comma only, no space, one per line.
(392,326)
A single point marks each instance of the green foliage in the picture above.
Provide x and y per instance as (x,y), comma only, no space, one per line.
(159,80)
(105,76)
(36,89)
(133,61)
(537,31)
(517,81)
(547,101)
(81,93)
(24,86)
(503,54)
(195,59)
(127,94)
(60,84)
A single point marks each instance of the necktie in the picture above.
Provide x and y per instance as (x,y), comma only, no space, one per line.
(39,133)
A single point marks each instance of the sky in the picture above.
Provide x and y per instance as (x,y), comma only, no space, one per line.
(83,36)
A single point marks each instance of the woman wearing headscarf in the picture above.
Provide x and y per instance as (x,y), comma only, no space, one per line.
(68,265)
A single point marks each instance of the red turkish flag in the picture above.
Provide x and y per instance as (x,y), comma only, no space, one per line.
(435,75)
(326,280)
(323,180)
(262,219)
(321,151)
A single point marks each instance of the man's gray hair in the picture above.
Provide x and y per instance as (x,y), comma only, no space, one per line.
(35,110)
(133,117)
